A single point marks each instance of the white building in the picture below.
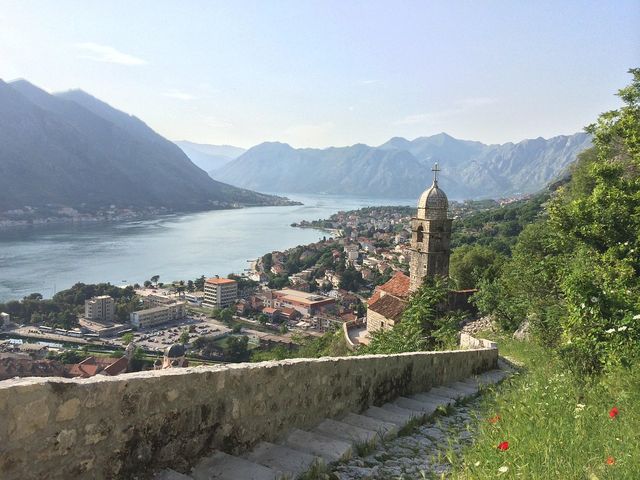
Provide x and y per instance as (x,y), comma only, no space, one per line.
(100,309)
(158,315)
(220,292)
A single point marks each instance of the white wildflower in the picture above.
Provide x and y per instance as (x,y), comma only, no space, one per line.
(594,299)
(611,330)
(477,464)
(503,469)
(622,328)
(580,406)
(636,317)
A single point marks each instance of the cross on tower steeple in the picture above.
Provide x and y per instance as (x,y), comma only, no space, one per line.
(435,171)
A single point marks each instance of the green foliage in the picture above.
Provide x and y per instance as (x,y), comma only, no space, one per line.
(331,344)
(69,356)
(244,283)
(184,337)
(422,326)
(207,346)
(556,427)
(471,264)
(64,308)
(267,261)
(198,283)
(127,338)
(351,280)
(236,348)
(498,228)
(226,315)
(575,274)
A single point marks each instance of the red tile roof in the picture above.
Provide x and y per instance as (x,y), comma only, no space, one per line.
(288,312)
(389,307)
(397,286)
(117,367)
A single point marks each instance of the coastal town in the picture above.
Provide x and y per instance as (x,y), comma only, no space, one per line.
(285,297)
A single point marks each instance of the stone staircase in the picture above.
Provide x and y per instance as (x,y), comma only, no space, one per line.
(333,439)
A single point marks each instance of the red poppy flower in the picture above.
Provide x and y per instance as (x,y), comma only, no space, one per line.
(610,460)
(503,446)
(494,419)
(613,413)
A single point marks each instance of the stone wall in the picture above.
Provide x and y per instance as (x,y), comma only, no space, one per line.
(124,426)
(467,341)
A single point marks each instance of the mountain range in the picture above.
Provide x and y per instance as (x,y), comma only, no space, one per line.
(401,168)
(210,157)
(71,149)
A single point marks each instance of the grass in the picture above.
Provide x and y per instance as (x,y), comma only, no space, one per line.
(556,426)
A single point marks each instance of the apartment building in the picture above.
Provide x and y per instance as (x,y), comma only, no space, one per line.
(100,309)
(220,292)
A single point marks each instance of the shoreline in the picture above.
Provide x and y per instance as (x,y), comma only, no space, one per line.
(93,219)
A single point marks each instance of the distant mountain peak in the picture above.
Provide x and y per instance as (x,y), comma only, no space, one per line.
(401,168)
(72,149)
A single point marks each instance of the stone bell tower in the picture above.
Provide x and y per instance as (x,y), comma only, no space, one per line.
(430,236)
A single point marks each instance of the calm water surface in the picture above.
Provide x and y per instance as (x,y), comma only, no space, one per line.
(51,258)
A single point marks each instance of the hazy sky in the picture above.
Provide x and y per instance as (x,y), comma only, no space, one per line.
(320,73)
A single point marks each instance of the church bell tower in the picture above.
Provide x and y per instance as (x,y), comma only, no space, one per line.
(430,236)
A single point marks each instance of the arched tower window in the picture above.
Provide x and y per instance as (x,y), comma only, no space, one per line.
(420,232)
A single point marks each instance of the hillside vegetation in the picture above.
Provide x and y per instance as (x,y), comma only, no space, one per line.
(574,275)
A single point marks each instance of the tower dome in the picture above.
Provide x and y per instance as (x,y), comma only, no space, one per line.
(433,203)
(174,351)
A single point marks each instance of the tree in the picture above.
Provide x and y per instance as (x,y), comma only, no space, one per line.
(226,315)
(236,348)
(184,337)
(147,283)
(263,319)
(351,280)
(199,283)
(155,279)
(127,338)
(472,263)
(420,320)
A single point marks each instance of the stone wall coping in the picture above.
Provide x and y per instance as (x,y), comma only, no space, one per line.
(24,381)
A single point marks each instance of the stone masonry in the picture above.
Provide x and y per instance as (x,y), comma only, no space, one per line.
(120,427)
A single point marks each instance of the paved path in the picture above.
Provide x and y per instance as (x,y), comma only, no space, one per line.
(336,442)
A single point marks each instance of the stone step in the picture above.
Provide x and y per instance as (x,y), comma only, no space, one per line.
(327,448)
(221,466)
(286,461)
(449,392)
(426,408)
(346,432)
(386,429)
(439,400)
(378,413)
(169,474)
(468,389)
(430,399)
(408,413)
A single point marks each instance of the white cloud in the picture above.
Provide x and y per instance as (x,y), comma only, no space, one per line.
(179,95)
(368,81)
(107,54)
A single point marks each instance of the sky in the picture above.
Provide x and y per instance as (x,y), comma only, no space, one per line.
(332,72)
